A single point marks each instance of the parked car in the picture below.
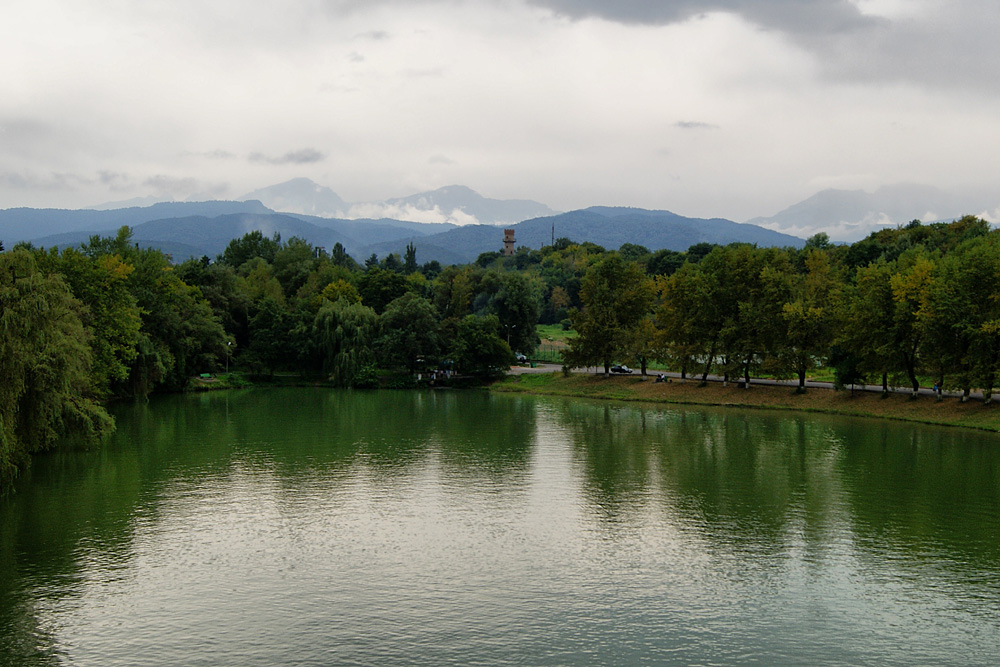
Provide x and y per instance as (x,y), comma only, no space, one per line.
(620,368)
(521,359)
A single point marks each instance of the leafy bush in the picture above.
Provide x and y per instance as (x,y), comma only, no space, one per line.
(367,378)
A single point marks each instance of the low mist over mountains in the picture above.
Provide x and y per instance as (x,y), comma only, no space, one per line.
(455,204)
(850,215)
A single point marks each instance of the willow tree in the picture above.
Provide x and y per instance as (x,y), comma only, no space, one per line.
(46,390)
(345,332)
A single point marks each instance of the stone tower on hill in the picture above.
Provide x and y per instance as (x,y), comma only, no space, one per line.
(508,242)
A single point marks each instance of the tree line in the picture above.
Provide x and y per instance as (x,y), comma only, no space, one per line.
(112,320)
(920,300)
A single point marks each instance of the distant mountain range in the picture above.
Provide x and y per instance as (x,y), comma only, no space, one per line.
(849,215)
(605,226)
(428,220)
(188,229)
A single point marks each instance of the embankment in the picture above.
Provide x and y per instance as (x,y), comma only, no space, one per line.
(924,409)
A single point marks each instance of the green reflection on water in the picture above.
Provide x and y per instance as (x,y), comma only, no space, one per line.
(783,503)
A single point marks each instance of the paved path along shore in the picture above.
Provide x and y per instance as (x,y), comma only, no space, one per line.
(810,384)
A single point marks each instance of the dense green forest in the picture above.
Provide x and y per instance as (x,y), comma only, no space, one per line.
(109,320)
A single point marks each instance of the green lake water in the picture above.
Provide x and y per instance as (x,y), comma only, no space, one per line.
(319,527)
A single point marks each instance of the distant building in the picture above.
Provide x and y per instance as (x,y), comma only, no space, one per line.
(508,242)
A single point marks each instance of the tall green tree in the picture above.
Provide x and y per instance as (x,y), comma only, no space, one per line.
(616,296)
(477,348)
(345,332)
(867,311)
(410,259)
(112,318)
(180,335)
(517,305)
(960,315)
(810,315)
(378,287)
(251,245)
(46,388)
(911,284)
(408,332)
(686,320)
(270,335)
(293,263)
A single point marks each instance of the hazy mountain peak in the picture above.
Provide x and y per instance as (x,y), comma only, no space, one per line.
(129,203)
(849,215)
(460,204)
(301,195)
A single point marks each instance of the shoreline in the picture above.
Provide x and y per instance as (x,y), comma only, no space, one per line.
(925,409)
(899,407)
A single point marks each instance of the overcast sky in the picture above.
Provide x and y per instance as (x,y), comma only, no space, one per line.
(730,108)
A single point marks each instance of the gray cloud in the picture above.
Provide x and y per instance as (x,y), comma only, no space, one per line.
(185,187)
(695,125)
(947,45)
(48,182)
(941,44)
(440,159)
(794,16)
(217,155)
(172,184)
(373,35)
(114,180)
(303,156)
(431,72)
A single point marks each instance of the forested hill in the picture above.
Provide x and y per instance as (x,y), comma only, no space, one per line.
(187,230)
(606,226)
(31,224)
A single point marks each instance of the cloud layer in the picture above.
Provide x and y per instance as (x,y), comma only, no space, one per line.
(732,108)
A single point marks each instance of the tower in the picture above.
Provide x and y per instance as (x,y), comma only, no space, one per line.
(508,242)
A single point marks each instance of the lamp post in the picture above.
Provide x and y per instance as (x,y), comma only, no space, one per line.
(229,347)
(509,327)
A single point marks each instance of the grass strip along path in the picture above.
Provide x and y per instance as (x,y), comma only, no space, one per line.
(923,409)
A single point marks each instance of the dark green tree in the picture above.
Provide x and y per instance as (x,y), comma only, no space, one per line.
(46,389)
(270,334)
(410,259)
(616,296)
(516,305)
(345,332)
(408,332)
(250,245)
(293,263)
(378,287)
(112,318)
(477,348)
(339,257)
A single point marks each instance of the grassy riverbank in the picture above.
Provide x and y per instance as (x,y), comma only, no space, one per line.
(925,409)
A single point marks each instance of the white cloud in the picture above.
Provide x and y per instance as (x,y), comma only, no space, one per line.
(846,231)
(377,210)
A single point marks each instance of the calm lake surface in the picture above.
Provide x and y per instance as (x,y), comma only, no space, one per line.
(318,527)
